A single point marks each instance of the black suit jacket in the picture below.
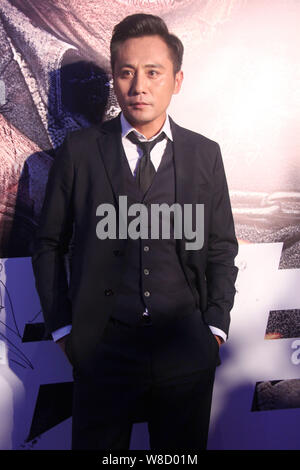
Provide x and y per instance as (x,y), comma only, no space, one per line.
(86,173)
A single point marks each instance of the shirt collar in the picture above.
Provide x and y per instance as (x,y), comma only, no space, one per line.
(126,128)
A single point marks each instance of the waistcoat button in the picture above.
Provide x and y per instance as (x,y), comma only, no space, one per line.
(108,292)
(117,253)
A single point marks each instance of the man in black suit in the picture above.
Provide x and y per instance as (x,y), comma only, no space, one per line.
(140,318)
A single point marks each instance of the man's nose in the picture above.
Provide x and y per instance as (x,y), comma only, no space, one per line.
(139,83)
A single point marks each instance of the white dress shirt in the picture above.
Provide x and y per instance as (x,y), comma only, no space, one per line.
(133,154)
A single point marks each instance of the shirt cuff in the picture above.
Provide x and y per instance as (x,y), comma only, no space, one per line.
(218,332)
(61,332)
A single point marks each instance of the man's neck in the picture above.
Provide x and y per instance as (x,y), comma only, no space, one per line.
(127,127)
(148,129)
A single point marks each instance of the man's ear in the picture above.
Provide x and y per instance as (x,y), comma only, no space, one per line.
(178,82)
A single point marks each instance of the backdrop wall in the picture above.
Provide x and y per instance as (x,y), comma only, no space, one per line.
(241,88)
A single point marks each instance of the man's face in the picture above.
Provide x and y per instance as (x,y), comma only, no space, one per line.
(144,81)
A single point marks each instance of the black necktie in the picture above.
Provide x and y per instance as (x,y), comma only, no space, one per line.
(145,170)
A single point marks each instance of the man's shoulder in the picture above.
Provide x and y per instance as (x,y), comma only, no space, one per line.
(96,129)
(82,144)
(193,136)
(85,133)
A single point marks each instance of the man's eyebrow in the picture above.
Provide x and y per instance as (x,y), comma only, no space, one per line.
(156,66)
(130,66)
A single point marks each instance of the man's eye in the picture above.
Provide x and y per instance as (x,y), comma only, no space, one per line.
(126,73)
(153,73)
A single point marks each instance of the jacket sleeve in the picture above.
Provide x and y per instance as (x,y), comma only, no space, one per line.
(220,272)
(52,242)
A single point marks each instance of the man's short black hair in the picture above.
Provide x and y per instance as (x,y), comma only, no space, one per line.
(139,25)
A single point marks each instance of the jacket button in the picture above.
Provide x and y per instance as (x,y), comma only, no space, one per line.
(147,293)
(117,253)
(108,292)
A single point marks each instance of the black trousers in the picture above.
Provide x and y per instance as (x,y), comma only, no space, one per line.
(144,373)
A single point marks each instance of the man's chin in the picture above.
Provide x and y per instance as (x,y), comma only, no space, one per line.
(139,118)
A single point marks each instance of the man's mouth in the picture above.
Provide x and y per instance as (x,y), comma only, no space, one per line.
(138,104)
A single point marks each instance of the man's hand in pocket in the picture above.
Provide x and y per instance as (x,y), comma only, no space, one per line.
(62,343)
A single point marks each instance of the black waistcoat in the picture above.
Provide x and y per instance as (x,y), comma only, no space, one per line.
(153,276)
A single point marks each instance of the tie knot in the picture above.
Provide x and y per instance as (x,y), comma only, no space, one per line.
(146,146)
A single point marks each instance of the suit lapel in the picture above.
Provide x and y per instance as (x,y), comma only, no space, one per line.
(184,162)
(187,178)
(111,150)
